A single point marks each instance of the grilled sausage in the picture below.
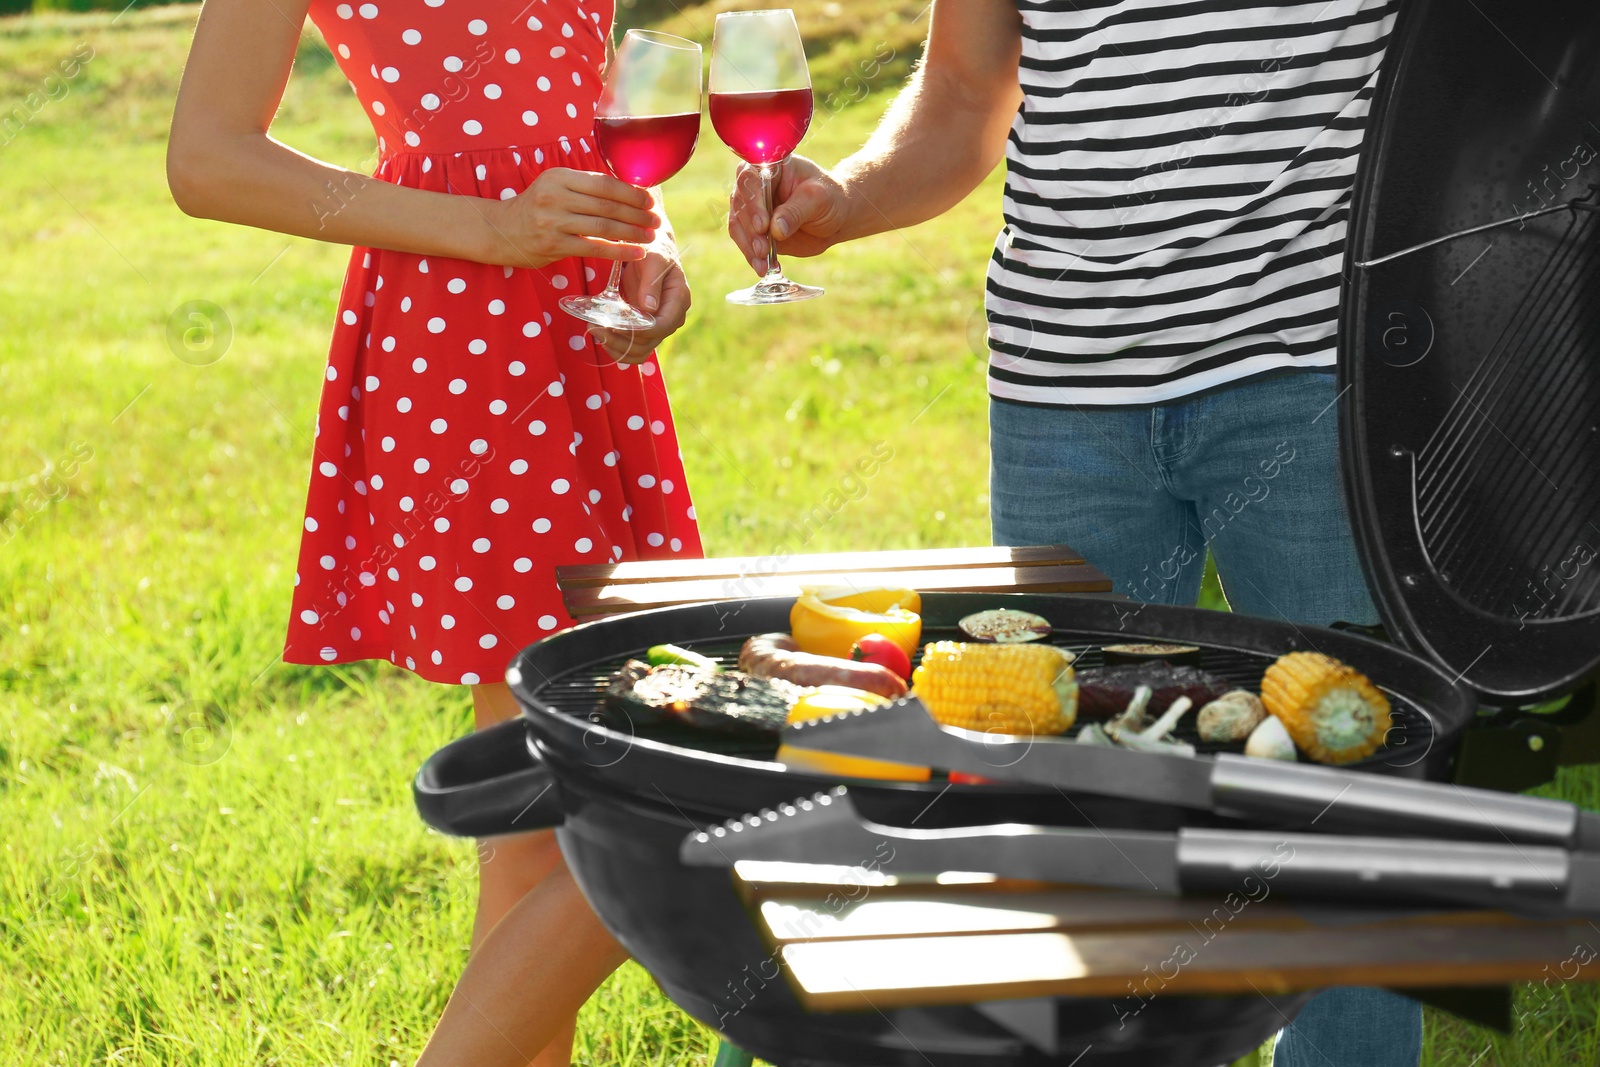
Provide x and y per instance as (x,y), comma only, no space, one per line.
(777,656)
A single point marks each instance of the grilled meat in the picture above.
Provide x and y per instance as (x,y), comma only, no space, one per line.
(1104,692)
(726,702)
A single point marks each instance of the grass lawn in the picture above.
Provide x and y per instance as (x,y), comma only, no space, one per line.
(211,857)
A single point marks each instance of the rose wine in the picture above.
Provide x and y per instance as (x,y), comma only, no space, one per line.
(762,127)
(647,150)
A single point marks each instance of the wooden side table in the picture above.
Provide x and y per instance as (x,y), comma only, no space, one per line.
(594,590)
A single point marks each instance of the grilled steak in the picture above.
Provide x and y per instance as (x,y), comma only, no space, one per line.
(726,702)
(1104,692)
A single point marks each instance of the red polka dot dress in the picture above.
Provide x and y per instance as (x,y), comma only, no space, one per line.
(470,436)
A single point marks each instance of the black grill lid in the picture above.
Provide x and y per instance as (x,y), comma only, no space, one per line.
(1470,368)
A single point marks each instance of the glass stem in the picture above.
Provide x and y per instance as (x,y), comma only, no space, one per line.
(769,171)
(614,286)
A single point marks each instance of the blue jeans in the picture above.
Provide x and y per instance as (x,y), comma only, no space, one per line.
(1250,472)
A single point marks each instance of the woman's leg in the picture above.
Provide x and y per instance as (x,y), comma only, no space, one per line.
(508,867)
(526,981)
(511,870)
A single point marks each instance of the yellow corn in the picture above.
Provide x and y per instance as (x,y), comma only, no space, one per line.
(1333,713)
(1025,689)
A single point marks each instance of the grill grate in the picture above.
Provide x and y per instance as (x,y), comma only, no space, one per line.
(1508,487)
(579,692)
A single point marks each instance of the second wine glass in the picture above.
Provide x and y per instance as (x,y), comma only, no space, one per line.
(761,107)
(646,126)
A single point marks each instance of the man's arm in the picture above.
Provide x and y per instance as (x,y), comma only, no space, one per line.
(942,135)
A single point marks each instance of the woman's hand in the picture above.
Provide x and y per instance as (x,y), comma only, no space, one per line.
(570,213)
(654,284)
(809,211)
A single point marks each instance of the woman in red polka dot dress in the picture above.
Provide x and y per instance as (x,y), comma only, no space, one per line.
(471,436)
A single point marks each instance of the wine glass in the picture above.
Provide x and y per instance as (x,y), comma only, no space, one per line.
(761,107)
(645,127)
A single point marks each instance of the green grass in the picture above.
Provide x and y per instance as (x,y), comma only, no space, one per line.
(211,857)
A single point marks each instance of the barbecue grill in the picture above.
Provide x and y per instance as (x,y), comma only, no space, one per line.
(1470,416)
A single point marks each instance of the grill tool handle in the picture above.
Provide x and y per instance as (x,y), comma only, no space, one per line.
(1255,864)
(1363,803)
(488,783)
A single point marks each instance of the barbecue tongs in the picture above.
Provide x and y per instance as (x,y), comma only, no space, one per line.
(1376,836)
(1258,790)
(1536,881)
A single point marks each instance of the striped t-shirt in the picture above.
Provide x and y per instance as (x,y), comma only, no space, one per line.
(1177,191)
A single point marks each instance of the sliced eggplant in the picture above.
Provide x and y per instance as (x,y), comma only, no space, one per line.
(1151,652)
(1005,626)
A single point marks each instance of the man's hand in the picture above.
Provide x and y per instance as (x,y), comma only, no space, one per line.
(809,211)
(654,284)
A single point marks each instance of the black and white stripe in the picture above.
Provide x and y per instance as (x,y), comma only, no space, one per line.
(1177,190)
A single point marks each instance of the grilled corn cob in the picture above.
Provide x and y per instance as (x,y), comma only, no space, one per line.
(1026,689)
(1333,713)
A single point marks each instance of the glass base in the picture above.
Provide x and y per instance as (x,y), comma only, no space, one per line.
(778,290)
(608,311)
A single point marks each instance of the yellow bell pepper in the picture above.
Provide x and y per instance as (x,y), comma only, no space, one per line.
(828,621)
(835,700)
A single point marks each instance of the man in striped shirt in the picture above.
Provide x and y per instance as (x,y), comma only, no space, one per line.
(1161,301)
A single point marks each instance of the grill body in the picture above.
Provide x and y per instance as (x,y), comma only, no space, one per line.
(623,803)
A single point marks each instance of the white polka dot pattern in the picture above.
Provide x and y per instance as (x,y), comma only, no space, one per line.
(400,59)
(463,453)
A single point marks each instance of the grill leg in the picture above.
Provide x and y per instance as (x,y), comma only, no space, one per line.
(730,1055)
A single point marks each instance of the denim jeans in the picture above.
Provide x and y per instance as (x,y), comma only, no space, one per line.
(1250,472)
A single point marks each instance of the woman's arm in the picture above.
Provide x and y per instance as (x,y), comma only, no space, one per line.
(221,164)
(943,134)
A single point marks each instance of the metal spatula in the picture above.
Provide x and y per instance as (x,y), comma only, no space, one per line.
(1237,786)
(827,829)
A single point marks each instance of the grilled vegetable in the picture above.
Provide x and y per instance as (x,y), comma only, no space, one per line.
(1269,740)
(828,621)
(1004,626)
(1121,655)
(727,702)
(660,654)
(1162,728)
(1133,728)
(876,648)
(836,700)
(1104,692)
(1333,713)
(827,700)
(1010,688)
(778,656)
(1231,717)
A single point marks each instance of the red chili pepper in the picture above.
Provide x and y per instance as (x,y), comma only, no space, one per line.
(963,778)
(876,648)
